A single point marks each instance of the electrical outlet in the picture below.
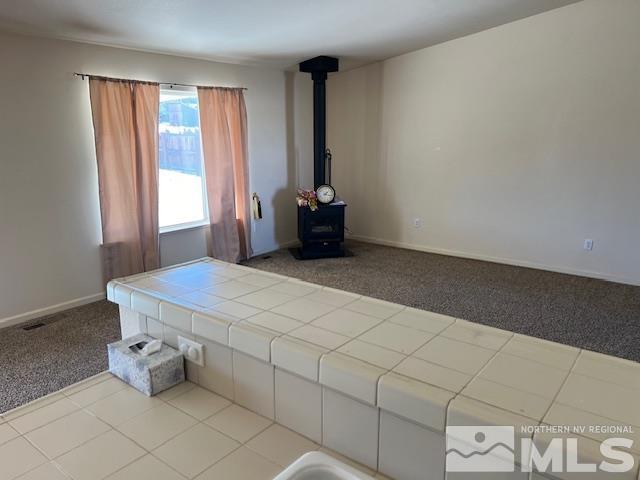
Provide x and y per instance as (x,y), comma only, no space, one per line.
(417,223)
(588,244)
(192,351)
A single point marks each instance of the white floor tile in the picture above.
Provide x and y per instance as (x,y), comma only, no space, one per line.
(48,471)
(31,407)
(154,427)
(199,403)
(281,445)
(195,450)
(100,457)
(7,433)
(43,415)
(122,406)
(67,433)
(146,468)
(238,423)
(18,456)
(173,392)
(89,382)
(243,464)
(96,392)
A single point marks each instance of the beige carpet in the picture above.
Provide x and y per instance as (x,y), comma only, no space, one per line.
(70,347)
(583,312)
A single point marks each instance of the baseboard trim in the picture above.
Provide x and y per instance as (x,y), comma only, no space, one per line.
(43,312)
(290,243)
(280,246)
(487,258)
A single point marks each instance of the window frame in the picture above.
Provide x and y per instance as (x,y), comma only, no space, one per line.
(205,221)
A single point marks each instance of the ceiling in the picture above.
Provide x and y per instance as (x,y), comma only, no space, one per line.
(278,33)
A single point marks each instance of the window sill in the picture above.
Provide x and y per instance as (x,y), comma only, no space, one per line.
(184,226)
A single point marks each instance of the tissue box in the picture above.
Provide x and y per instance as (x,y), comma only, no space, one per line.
(151,374)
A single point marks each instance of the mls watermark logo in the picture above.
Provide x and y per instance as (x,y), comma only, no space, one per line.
(480,449)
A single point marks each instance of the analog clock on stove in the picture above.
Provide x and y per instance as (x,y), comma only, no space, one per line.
(325,194)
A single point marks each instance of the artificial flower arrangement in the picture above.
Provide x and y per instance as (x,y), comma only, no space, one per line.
(307,198)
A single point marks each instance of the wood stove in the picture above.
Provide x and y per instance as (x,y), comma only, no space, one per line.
(321,231)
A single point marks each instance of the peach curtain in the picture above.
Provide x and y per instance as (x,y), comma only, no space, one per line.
(223,123)
(125,121)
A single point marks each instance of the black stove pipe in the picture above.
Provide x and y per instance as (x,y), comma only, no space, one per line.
(318,67)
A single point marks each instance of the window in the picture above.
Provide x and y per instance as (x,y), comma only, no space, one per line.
(182,192)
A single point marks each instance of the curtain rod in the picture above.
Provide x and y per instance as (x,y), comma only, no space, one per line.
(83,75)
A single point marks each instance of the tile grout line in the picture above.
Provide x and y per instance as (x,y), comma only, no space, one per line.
(76,410)
(564,381)
(38,449)
(460,394)
(115,429)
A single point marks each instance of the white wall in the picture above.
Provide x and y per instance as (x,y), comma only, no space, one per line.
(514,144)
(49,211)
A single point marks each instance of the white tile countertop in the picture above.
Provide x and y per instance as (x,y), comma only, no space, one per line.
(417,364)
